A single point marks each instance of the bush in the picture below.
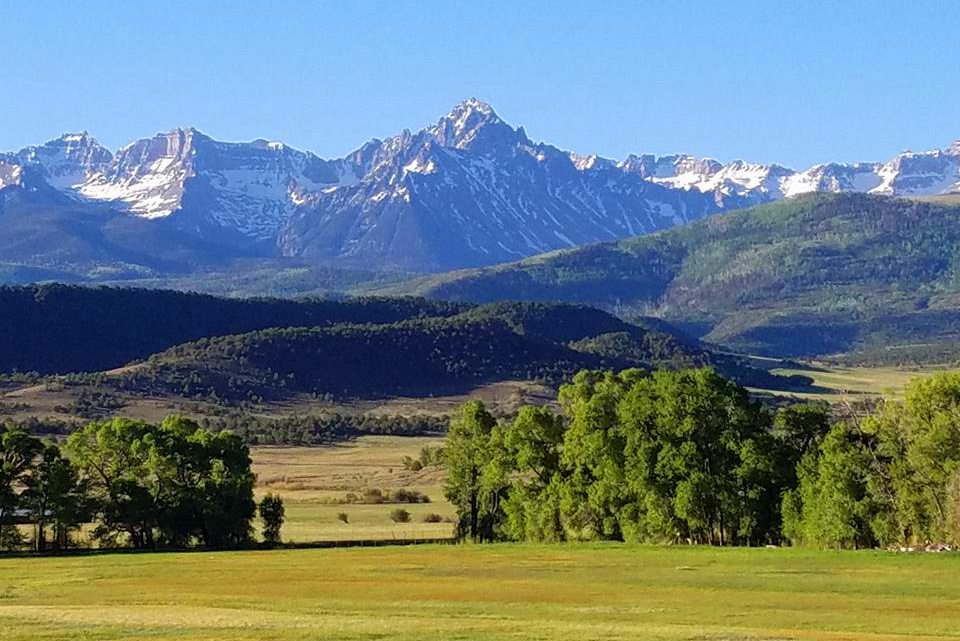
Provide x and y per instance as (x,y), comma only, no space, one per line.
(400,515)
(412,464)
(404,495)
(433,518)
(372,495)
(342,516)
(376,496)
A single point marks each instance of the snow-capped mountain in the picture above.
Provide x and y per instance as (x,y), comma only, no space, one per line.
(250,188)
(910,173)
(65,163)
(473,190)
(469,190)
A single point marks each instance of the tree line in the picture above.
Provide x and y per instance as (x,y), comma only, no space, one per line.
(140,485)
(323,429)
(688,457)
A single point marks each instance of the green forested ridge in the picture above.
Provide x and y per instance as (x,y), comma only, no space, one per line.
(62,328)
(687,456)
(813,275)
(504,341)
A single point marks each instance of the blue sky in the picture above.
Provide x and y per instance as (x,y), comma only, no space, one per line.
(793,82)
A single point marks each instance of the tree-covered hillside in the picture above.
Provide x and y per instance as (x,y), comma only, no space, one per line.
(59,328)
(515,341)
(814,275)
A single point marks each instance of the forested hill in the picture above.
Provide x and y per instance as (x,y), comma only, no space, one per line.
(61,328)
(515,341)
(813,275)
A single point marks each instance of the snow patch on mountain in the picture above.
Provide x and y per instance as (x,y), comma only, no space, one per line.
(10,174)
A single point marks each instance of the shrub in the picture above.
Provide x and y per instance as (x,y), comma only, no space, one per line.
(433,518)
(412,464)
(372,495)
(400,515)
(342,516)
(404,495)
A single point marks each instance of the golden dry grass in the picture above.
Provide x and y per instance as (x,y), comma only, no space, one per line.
(310,478)
(853,383)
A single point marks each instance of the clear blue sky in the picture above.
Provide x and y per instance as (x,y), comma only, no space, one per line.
(794,82)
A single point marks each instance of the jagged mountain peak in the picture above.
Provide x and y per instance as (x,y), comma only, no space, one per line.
(75,138)
(473,124)
(66,161)
(470,106)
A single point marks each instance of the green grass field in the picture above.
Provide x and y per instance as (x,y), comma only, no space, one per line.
(612,591)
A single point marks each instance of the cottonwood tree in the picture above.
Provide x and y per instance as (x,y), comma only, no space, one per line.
(54,495)
(473,485)
(169,484)
(18,449)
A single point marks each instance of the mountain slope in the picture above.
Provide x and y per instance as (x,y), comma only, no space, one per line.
(814,275)
(269,348)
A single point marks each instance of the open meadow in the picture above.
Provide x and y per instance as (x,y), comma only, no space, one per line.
(838,383)
(313,482)
(507,591)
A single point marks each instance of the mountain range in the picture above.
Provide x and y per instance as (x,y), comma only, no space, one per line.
(468,191)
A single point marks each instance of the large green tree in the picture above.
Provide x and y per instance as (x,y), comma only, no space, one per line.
(697,459)
(54,495)
(833,505)
(18,449)
(475,484)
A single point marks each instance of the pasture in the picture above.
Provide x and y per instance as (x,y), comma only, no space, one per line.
(312,479)
(837,383)
(545,592)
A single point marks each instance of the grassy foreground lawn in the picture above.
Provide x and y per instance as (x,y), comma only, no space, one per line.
(484,592)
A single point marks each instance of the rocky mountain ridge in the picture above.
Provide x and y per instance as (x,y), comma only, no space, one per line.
(470,190)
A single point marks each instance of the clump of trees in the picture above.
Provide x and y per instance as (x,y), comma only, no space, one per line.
(688,457)
(142,485)
(892,478)
(38,487)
